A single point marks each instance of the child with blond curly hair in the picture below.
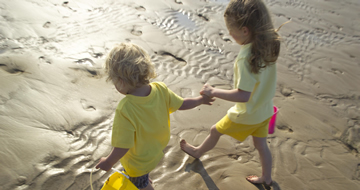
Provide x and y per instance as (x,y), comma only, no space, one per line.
(141,128)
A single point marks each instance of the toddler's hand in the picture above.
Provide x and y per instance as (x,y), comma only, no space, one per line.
(103,164)
(207,100)
(207,90)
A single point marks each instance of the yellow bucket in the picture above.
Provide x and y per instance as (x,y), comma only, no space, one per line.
(119,181)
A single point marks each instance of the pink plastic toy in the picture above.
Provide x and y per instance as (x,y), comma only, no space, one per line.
(273,121)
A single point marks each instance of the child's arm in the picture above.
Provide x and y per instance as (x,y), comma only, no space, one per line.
(234,95)
(106,163)
(190,103)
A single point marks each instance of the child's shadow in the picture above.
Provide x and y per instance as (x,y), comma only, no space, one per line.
(275,186)
(197,167)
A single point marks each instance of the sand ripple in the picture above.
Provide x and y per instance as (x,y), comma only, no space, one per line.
(56,109)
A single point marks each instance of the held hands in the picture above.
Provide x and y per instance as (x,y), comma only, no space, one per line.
(207,100)
(207,90)
(206,93)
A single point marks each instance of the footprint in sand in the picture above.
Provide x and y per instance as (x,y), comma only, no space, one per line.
(85,61)
(203,17)
(47,25)
(286,91)
(136,32)
(21,180)
(87,70)
(336,71)
(285,128)
(178,2)
(43,59)
(13,69)
(221,34)
(140,8)
(357,173)
(234,156)
(85,105)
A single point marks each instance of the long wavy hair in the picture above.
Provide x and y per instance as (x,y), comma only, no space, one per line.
(265,40)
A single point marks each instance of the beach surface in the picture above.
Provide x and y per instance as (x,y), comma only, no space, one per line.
(56,108)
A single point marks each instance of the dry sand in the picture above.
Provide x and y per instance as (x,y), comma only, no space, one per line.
(56,109)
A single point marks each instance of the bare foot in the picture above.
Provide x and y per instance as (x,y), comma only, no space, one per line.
(189,149)
(258,180)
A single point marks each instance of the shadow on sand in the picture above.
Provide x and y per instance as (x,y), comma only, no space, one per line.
(197,167)
(275,186)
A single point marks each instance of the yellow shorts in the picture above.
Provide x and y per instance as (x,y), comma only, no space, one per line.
(240,131)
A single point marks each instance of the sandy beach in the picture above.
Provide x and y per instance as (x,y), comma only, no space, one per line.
(56,108)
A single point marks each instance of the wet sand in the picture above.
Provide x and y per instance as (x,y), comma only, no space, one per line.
(56,109)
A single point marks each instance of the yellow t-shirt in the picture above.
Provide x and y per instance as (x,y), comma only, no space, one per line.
(262,87)
(142,125)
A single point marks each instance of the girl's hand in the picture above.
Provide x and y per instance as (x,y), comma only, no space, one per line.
(103,164)
(207,100)
(207,90)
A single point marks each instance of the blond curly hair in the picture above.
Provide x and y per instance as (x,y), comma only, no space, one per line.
(131,64)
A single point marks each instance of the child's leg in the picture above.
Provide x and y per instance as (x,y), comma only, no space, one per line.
(142,182)
(265,159)
(207,145)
